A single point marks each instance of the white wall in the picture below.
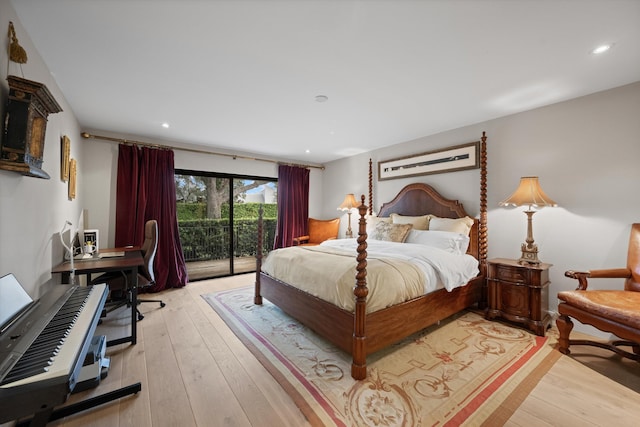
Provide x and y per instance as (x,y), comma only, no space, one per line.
(586,152)
(33,210)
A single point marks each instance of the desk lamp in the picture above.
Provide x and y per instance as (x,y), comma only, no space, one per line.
(72,274)
(348,204)
(529,193)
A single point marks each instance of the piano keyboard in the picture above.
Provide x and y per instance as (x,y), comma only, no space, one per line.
(54,353)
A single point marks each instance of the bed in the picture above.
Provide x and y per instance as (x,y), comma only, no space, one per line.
(361,333)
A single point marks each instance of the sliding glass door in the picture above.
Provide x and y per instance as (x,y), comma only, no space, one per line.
(217,220)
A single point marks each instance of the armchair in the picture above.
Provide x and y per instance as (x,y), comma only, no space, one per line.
(614,311)
(319,230)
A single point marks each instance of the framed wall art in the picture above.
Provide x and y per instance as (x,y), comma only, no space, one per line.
(72,178)
(65,153)
(459,157)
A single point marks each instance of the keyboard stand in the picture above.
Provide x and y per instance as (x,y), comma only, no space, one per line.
(50,414)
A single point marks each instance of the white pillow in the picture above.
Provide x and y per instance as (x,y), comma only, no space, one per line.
(449,241)
(457,225)
(419,222)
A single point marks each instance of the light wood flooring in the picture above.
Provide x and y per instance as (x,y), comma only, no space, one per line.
(195,372)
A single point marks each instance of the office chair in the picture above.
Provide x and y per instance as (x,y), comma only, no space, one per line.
(118,281)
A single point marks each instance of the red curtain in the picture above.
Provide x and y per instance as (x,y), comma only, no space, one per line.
(293,204)
(146,190)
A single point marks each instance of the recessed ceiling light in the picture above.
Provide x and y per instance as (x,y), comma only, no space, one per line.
(165,125)
(322,98)
(601,49)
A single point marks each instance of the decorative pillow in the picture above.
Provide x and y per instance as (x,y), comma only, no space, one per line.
(419,222)
(449,241)
(458,225)
(390,232)
(372,220)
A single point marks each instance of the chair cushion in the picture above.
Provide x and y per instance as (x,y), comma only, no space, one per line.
(619,306)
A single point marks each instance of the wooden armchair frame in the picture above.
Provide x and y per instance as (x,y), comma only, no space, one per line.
(614,311)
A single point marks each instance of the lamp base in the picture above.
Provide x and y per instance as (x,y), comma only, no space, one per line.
(529,254)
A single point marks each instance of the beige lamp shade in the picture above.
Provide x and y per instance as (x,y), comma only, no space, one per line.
(529,193)
(349,203)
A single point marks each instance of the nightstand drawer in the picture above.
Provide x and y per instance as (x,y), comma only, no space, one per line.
(511,274)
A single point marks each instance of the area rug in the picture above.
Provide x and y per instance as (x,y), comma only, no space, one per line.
(465,371)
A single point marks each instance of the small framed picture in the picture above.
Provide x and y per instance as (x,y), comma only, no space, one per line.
(73,164)
(91,239)
(65,154)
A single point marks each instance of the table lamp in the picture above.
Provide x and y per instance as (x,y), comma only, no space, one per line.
(348,204)
(529,193)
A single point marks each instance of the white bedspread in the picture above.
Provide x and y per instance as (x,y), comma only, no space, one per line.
(396,272)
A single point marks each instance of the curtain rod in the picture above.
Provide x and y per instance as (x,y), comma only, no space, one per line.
(87,135)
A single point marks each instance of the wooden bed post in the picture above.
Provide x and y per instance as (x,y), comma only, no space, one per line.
(359,363)
(257,299)
(370,187)
(482,231)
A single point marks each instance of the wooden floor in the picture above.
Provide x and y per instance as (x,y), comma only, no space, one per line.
(195,372)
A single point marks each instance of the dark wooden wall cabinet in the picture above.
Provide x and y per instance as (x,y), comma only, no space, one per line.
(25,124)
(519,293)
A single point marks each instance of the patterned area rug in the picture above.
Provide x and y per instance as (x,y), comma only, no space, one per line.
(467,370)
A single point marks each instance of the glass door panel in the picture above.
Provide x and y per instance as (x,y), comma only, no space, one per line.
(249,196)
(204,223)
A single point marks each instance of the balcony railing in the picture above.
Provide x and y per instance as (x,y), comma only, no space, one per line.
(209,239)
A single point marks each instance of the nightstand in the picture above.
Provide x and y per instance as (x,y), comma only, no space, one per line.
(519,293)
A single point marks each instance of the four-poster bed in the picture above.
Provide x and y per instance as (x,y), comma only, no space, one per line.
(359,332)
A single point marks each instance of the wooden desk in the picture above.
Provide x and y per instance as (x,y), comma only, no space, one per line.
(128,264)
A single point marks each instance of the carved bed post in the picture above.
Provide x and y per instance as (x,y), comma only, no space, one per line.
(370,187)
(359,363)
(483,244)
(257,299)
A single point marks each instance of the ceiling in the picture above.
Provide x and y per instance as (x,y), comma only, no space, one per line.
(244,75)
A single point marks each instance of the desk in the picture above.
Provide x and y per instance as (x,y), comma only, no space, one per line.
(128,264)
